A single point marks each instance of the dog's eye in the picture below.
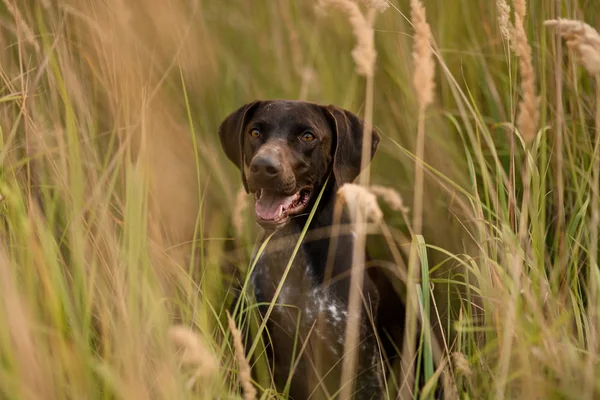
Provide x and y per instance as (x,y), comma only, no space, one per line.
(254,133)
(307,136)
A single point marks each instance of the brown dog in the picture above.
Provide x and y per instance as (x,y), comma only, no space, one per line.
(285,151)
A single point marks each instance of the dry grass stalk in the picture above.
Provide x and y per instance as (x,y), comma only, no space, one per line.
(309,80)
(364,54)
(424,68)
(450,388)
(585,42)
(33,374)
(582,39)
(22,24)
(195,352)
(244,371)
(360,200)
(295,46)
(559,119)
(391,197)
(529,107)
(423,81)
(461,364)
(527,124)
(307,74)
(594,321)
(239,206)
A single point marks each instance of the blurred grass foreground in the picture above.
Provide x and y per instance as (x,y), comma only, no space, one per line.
(124,231)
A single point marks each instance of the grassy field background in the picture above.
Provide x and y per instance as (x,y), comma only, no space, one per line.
(121,215)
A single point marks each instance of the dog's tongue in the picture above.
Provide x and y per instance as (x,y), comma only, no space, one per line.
(270,206)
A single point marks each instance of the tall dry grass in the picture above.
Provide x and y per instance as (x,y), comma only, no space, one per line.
(423,82)
(124,237)
(364,55)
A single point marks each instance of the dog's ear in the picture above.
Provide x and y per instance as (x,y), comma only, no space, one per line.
(349,131)
(231,135)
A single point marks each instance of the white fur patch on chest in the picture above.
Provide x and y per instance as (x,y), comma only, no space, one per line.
(301,292)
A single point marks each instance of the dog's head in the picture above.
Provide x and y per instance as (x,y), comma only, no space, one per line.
(285,150)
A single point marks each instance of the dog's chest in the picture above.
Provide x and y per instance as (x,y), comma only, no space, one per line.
(301,297)
(311,316)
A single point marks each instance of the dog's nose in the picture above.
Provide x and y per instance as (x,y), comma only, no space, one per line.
(266,167)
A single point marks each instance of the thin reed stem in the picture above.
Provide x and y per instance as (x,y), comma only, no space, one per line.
(423,81)
(417,222)
(593,274)
(559,207)
(408,351)
(358,253)
(515,262)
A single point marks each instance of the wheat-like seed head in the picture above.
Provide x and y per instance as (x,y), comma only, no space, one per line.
(461,364)
(359,199)
(424,68)
(391,197)
(582,39)
(506,28)
(194,351)
(363,54)
(244,370)
(529,107)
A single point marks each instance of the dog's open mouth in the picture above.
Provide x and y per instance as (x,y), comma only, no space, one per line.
(274,208)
